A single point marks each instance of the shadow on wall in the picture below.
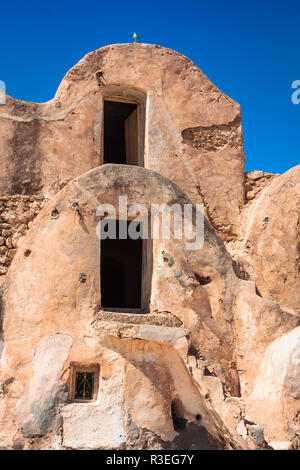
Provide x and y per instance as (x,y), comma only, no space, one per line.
(193,437)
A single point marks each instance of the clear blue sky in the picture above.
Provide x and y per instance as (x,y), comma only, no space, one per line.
(249,49)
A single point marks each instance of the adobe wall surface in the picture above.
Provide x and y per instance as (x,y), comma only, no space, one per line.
(192,345)
(193,131)
(63,323)
(16,214)
(268,246)
(222,331)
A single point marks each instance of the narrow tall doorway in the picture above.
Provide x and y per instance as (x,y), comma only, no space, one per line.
(121,272)
(121,132)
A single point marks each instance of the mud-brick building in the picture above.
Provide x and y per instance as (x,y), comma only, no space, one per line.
(143,344)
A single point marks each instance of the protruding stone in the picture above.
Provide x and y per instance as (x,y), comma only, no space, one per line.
(11,253)
(3,250)
(6,233)
(9,242)
(277,445)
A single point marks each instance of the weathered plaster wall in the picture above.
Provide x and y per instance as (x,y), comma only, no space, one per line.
(54,306)
(16,214)
(193,132)
(276,392)
(212,339)
(269,242)
(198,324)
(37,408)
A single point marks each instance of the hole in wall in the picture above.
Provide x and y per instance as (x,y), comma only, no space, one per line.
(208,373)
(82,278)
(54,214)
(193,351)
(257,292)
(179,421)
(203,280)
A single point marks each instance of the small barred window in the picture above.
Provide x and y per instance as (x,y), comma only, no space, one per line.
(84,382)
(84,385)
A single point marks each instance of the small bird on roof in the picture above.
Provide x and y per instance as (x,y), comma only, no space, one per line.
(135,37)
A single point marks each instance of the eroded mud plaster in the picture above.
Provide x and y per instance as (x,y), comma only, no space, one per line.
(214,363)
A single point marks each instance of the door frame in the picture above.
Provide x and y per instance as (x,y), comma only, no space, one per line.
(130,95)
(146,275)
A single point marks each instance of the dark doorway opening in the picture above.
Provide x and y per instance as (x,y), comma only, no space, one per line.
(121,271)
(179,421)
(121,133)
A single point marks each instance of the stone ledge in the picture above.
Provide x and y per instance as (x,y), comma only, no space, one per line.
(168,320)
(163,334)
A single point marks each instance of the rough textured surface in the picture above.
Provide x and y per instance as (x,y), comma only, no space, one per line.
(270,237)
(216,137)
(255,182)
(215,361)
(45,145)
(37,408)
(16,214)
(74,310)
(276,391)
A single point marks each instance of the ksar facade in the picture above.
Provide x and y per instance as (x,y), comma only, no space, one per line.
(144,344)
